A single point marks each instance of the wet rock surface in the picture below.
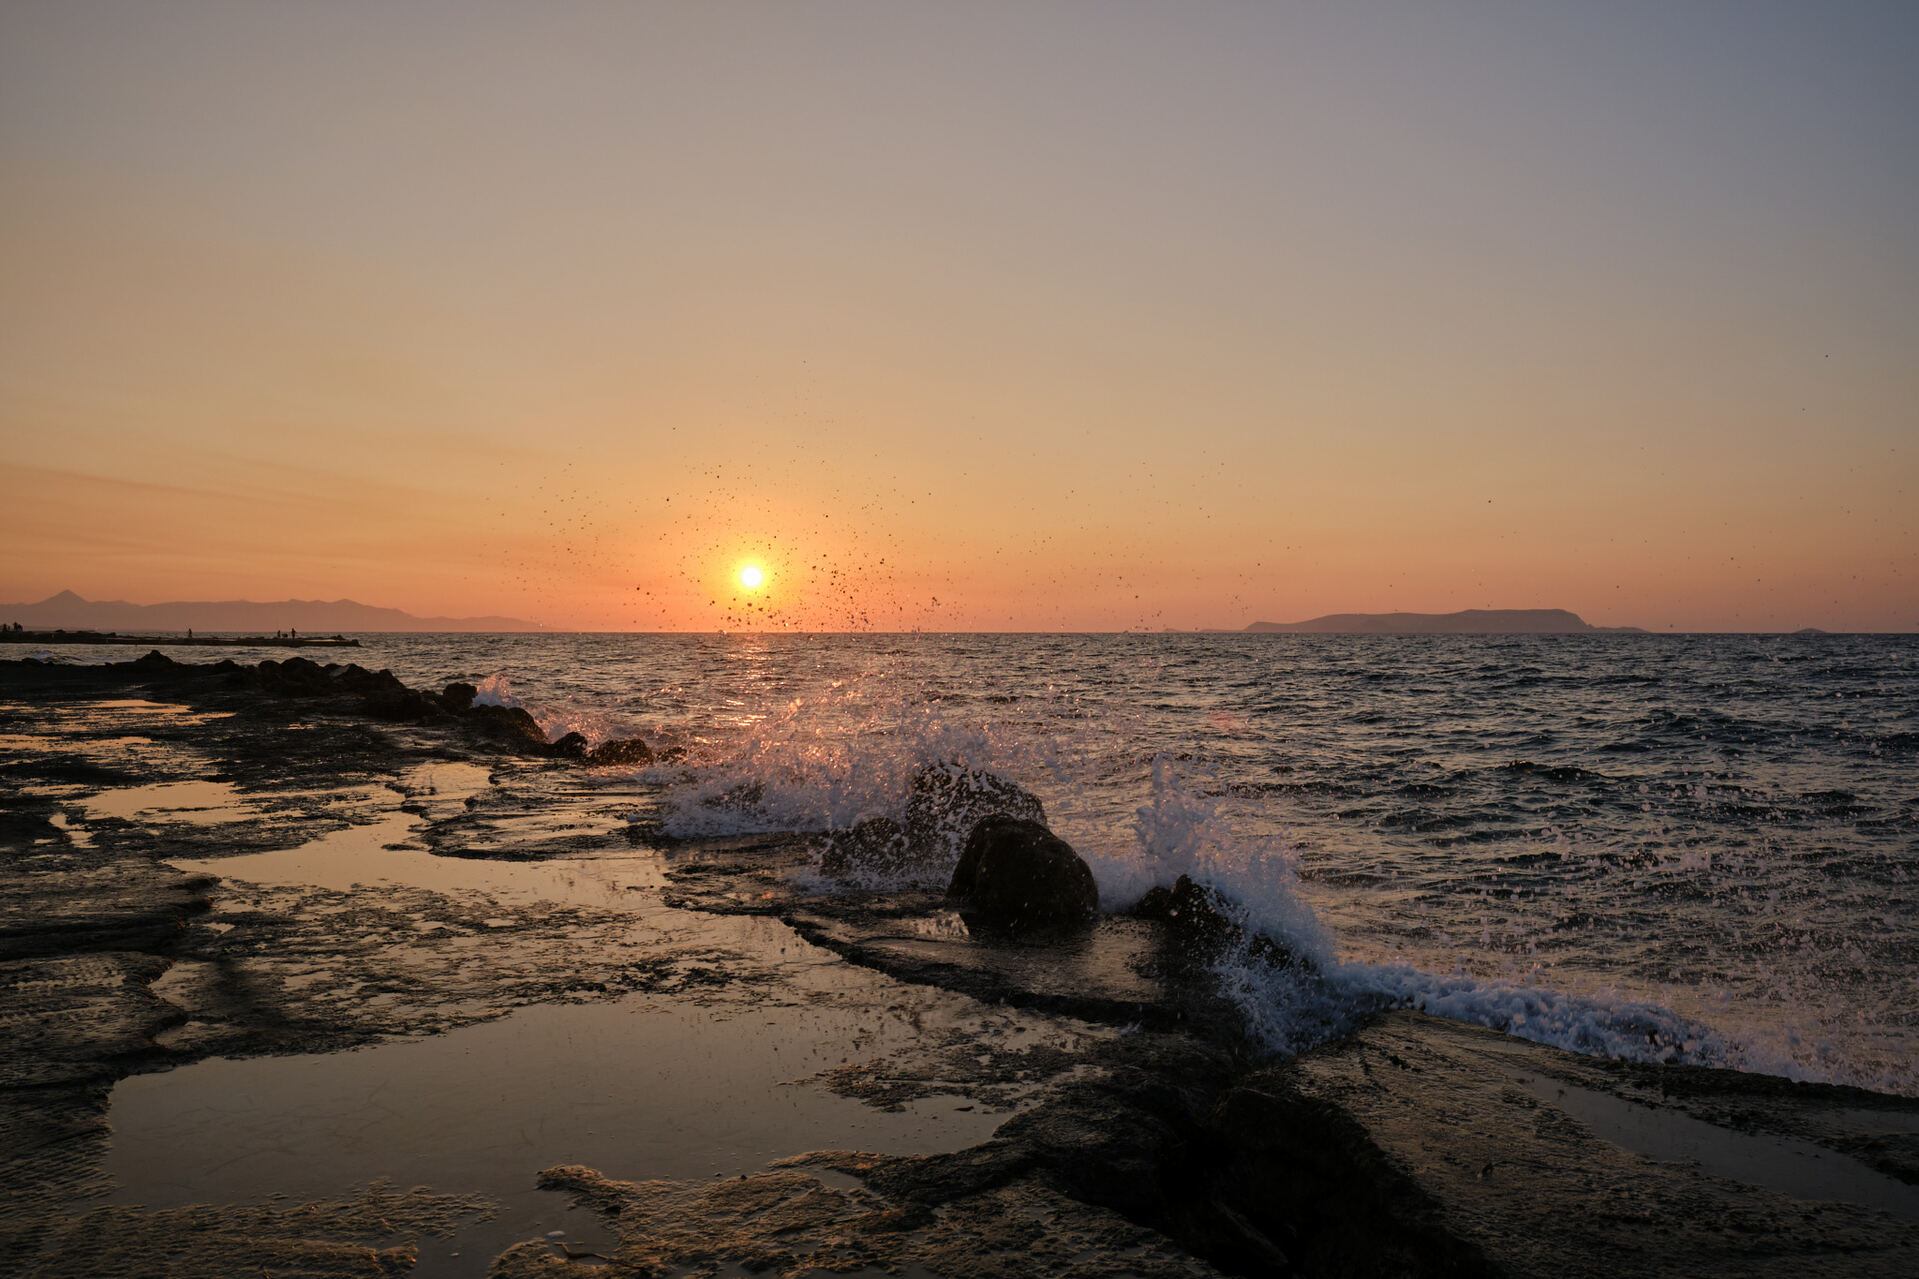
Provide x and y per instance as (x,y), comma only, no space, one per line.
(875,847)
(114,961)
(1412,1146)
(1556,1164)
(1016,875)
(625,752)
(1143,1133)
(299,686)
(824,1213)
(947,800)
(1201,922)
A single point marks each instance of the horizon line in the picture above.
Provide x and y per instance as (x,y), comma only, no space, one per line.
(1596,632)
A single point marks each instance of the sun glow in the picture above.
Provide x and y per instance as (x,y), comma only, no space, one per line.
(752,576)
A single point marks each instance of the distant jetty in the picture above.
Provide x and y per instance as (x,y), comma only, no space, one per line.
(1471,621)
(176,641)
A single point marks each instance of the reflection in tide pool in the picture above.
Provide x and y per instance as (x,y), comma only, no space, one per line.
(646,1087)
(197,803)
(376,853)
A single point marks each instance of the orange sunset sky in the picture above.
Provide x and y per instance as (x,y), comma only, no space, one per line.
(965,315)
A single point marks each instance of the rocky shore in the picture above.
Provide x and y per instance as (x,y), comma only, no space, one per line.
(43,638)
(286,860)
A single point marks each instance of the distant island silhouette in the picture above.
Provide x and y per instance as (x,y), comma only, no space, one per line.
(1471,621)
(72,612)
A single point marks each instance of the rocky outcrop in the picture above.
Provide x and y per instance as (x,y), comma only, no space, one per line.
(1407,1145)
(378,695)
(624,752)
(1017,875)
(1203,922)
(508,725)
(1570,1167)
(947,799)
(876,846)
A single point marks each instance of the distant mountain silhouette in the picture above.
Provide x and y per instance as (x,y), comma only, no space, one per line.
(71,611)
(1472,621)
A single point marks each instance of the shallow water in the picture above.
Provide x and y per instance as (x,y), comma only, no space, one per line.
(385,850)
(714,1080)
(199,803)
(1800,1169)
(642,1088)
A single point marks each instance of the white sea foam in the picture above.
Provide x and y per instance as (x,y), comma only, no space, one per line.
(557,720)
(1184,832)
(825,767)
(496,690)
(1603,1024)
(826,764)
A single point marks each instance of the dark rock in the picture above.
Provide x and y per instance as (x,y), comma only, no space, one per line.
(358,679)
(628,751)
(510,724)
(570,746)
(1016,874)
(402,705)
(948,799)
(295,677)
(944,802)
(459,697)
(1201,917)
(1189,908)
(875,846)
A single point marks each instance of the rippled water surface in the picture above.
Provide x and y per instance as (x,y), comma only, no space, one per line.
(1572,837)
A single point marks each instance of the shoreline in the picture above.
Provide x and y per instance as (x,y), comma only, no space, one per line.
(173,641)
(1159,1139)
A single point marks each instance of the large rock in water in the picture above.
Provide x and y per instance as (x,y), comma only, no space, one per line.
(509,724)
(1202,919)
(630,752)
(876,846)
(1016,874)
(944,801)
(947,799)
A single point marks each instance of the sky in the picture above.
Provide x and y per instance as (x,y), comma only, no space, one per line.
(965,316)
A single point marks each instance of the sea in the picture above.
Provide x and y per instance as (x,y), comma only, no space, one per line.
(1700,849)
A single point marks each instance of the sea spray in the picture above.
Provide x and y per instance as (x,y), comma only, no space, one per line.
(1600,1024)
(557,719)
(823,765)
(827,763)
(496,690)
(1291,1007)
(1181,830)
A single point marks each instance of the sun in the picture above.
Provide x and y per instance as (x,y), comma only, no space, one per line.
(752,576)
